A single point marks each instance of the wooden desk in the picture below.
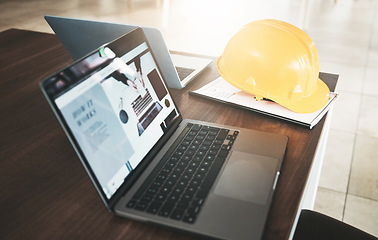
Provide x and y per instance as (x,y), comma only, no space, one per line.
(45,191)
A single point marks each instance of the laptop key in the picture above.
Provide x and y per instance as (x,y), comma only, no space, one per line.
(166,209)
(173,198)
(203,169)
(161,197)
(216,147)
(222,134)
(209,157)
(154,207)
(196,127)
(147,198)
(194,210)
(187,197)
(198,201)
(202,132)
(189,218)
(131,203)
(182,205)
(213,133)
(226,147)
(210,128)
(194,183)
(141,206)
(198,158)
(206,163)
(177,214)
(223,153)
(213,173)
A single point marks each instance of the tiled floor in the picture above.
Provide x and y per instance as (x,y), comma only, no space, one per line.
(345,33)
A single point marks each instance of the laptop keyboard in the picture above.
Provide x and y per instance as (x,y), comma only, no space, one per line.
(183,72)
(180,183)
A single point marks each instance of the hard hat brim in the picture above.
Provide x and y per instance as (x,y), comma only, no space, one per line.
(316,101)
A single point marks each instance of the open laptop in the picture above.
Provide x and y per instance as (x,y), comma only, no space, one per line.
(149,164)
(80,37)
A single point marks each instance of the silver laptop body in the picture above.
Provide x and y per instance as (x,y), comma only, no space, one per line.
(80,37)
(116,109)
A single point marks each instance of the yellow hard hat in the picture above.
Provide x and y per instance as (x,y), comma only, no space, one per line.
(275,60)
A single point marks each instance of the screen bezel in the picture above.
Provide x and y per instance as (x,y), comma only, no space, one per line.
(121,46)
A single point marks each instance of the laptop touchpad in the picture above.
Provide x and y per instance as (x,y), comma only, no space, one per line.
(247,177)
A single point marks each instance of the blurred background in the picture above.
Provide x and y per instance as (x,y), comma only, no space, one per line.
(345,33)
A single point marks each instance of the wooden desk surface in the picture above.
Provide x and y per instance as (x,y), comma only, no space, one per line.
(45,191)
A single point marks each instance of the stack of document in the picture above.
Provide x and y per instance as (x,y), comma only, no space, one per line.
(220,90)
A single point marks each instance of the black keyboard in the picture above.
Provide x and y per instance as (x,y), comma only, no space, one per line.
(183,72)
(180,182)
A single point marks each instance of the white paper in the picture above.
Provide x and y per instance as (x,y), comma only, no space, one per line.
(221,90)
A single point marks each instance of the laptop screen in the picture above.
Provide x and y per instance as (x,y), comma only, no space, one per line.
(115,105)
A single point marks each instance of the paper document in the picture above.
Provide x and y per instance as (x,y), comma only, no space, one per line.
(221,90)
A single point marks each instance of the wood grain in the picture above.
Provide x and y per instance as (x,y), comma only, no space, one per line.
(46,193)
